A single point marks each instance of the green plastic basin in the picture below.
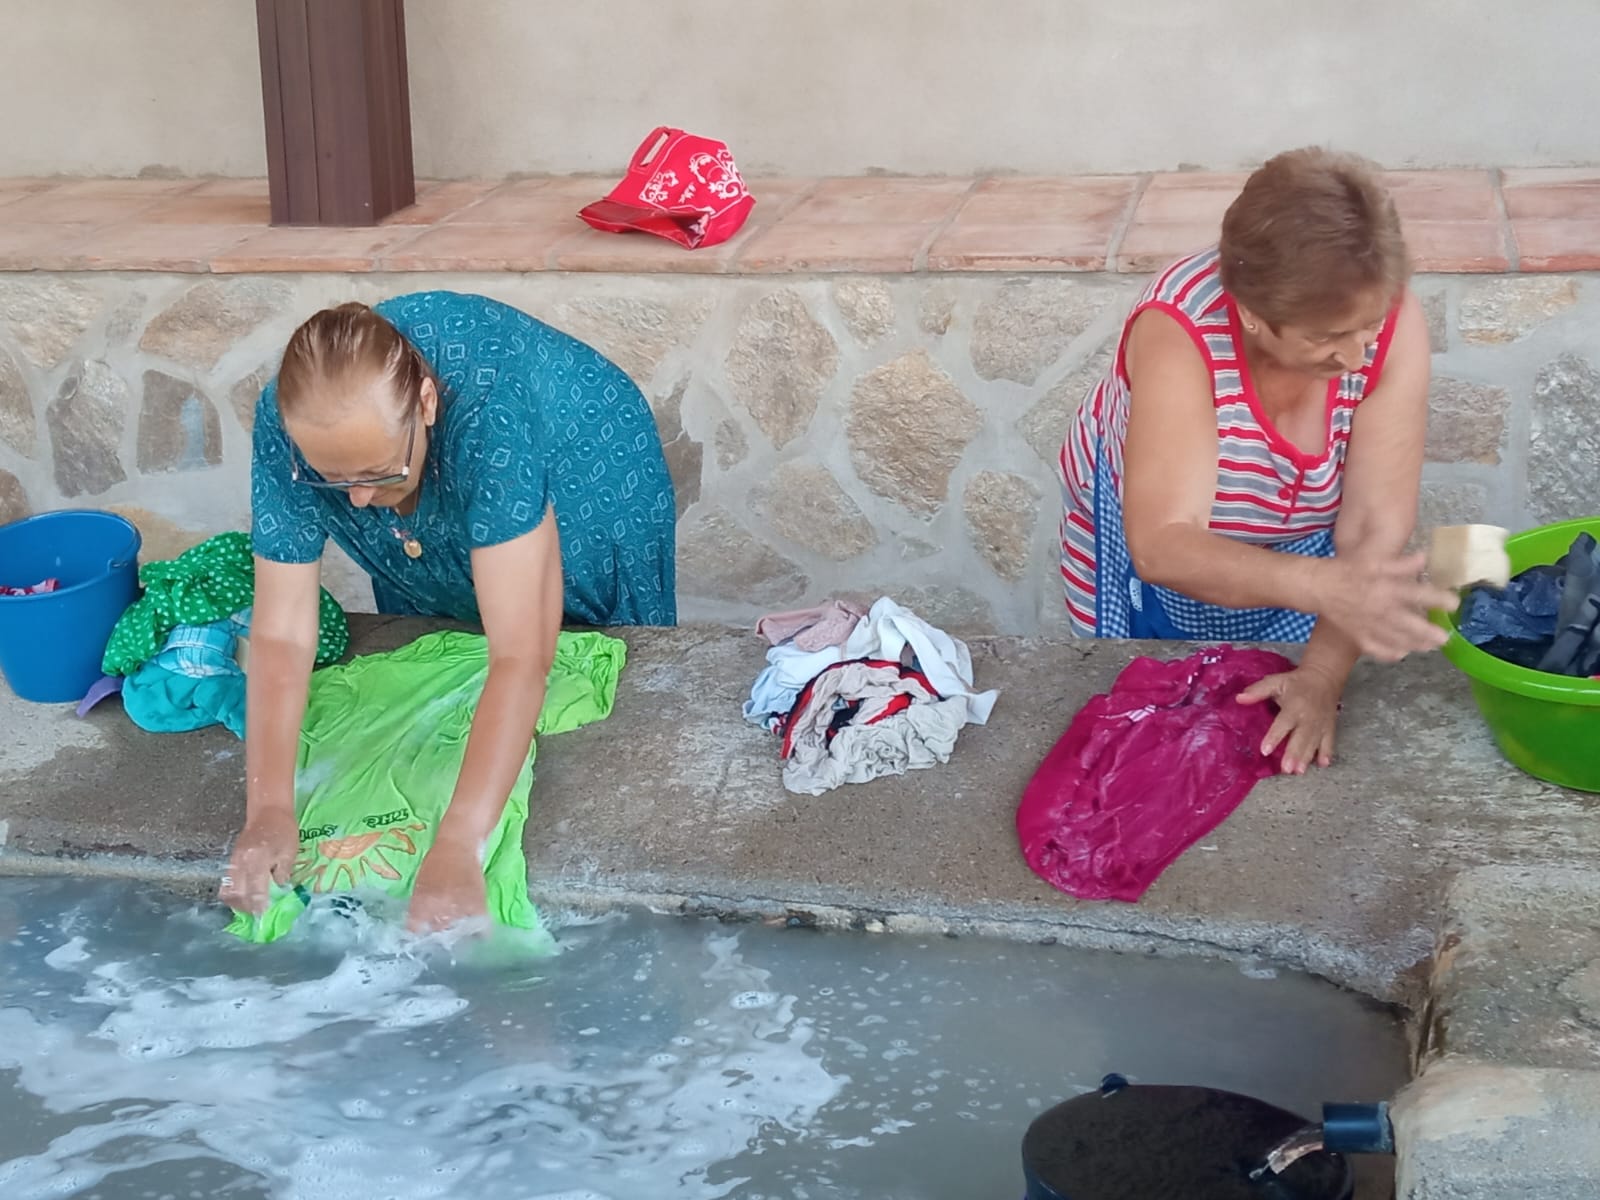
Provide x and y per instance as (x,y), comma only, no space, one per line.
(1549,725)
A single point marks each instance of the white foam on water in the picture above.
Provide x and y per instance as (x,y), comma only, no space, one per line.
(159,1020)
(370,921)
(145,1056)
(317,1084)
(67,954)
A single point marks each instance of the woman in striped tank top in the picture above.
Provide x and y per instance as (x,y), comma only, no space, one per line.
(1248,469)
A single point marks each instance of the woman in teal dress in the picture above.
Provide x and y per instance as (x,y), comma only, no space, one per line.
(478,465)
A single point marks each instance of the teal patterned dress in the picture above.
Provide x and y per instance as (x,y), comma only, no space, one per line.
(529,418)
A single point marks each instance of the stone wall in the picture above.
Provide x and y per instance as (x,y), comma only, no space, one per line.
(848,433)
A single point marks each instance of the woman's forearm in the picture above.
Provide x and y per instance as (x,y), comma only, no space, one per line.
(502,732)
(1217,570)
(278,679)
(1332,651)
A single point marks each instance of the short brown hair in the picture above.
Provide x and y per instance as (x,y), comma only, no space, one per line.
(1310,232)
(336,353)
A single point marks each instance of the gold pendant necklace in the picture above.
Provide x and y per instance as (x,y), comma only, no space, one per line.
(409,544)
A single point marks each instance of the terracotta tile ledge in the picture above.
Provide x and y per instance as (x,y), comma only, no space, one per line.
(1487,220)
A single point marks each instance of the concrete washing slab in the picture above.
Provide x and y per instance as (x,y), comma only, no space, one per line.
(1420,837)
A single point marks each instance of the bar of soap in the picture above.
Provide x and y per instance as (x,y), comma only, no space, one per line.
(1463,555)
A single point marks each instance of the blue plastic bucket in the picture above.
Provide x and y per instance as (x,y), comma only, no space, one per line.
(52,643)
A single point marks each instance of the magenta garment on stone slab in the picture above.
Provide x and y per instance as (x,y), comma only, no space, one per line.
(1146,770)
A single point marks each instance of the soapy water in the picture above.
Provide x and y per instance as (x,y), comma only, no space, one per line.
(144,1055)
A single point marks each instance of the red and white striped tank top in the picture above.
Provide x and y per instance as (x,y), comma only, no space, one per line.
(1269,492)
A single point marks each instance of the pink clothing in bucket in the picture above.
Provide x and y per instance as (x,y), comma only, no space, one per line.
(1146,770)
(38,589)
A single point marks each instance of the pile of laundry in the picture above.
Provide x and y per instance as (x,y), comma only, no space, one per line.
(180,650)
(1548,619)
(856,694)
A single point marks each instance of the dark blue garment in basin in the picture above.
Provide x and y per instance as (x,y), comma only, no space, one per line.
(1575,649)
(1548,619)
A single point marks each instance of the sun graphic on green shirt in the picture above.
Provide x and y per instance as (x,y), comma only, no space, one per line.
(337,864)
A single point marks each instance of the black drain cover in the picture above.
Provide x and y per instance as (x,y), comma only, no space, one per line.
(1150,1142)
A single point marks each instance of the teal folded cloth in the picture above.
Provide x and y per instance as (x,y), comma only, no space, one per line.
(194,682)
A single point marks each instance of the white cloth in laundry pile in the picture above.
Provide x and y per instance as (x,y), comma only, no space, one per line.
(889,631)
(778,687)
(890,628)
(896,723)
(924,735)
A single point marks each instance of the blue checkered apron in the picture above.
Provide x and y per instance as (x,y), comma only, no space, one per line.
(1128,607)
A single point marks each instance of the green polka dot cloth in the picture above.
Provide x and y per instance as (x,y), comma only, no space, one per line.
(210,582)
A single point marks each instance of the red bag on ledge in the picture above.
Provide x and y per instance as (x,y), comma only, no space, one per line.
(680,187)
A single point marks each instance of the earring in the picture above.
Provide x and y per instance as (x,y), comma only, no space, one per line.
(1250,328)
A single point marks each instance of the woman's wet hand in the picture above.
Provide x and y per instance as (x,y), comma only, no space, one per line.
(263,854)
(1308,711)
(449,888)
(1383,605)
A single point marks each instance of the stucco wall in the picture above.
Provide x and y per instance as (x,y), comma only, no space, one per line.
(839,86)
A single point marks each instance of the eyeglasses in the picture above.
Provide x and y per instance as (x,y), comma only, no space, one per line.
(303,474)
